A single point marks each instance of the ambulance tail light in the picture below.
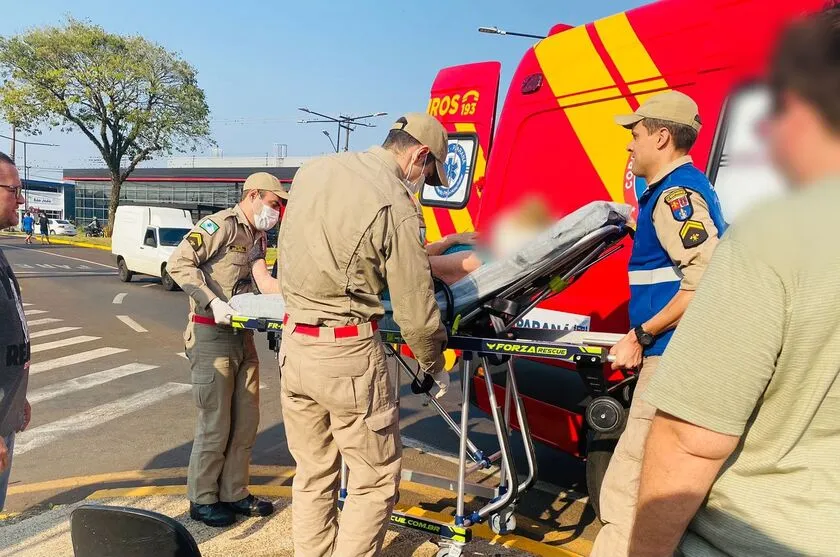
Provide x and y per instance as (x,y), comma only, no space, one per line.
(532,83)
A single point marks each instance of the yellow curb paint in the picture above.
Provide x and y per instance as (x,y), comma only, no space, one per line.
(278,491)
(135,475)
(66,242)
(6,516)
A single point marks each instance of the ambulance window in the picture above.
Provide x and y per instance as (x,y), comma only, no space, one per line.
(460,167)
(740,166)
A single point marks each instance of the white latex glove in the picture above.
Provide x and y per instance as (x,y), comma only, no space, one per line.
(222,312)
(441,379)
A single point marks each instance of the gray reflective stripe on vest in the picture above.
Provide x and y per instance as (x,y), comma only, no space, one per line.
(655,276)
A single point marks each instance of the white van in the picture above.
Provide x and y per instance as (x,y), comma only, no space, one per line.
(144,237)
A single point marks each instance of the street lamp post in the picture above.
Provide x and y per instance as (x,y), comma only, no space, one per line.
(334,146)
(347,123)
(497,31)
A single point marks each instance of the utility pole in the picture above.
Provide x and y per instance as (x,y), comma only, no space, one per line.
(25,167)
(346,123)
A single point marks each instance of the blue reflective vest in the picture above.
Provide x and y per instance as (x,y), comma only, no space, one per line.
(654,279)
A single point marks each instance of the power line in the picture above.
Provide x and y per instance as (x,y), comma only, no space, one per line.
(344,122)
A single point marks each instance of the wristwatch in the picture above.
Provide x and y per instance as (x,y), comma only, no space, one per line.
(644,338)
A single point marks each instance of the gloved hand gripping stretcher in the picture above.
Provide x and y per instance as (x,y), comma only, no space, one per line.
(480,313)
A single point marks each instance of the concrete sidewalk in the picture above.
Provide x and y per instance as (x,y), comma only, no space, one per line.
(48,534)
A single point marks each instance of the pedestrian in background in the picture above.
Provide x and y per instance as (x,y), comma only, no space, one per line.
(335,260)
(15,411)
(209,265)
(28,226)
(742,453)
(44,223)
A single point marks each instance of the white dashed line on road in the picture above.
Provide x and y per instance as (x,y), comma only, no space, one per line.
(45,434)
(34,311)
(61,343)
(86,382)
(48,332)
(64,256)
(148,285)
(45,321)
(75,359)
(132,323)
(118,299)
(183,355)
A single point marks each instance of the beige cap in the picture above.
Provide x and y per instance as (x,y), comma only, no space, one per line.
(431,133)
(266,182)
(671,106)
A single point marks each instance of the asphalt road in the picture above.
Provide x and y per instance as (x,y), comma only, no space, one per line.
(110,393)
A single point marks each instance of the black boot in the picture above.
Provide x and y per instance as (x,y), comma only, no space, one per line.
(251,506)
(217,514)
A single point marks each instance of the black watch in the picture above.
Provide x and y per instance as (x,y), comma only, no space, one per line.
(644,338)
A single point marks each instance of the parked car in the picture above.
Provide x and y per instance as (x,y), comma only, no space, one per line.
(145,237)
(61,227)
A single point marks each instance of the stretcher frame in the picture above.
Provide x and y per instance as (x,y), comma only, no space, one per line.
(588,353)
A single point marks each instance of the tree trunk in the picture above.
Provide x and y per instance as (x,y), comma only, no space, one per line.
(114,202)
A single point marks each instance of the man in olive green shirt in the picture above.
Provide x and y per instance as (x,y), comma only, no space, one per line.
(742,456)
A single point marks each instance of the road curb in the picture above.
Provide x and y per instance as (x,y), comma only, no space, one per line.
(283,491)
(61,241)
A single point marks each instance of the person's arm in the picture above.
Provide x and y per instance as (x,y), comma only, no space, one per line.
(4,455)
(412,295)
(706,388)
(681,461)
(440,246)
(194,250)
(452,267)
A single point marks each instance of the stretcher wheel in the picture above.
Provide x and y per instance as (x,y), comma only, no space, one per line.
(605,414)
(503,522)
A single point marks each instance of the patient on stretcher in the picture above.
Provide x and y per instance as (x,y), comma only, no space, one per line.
(457,255)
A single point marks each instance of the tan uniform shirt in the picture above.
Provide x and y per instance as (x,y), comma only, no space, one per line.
(209,262)
(691,261)
(757,356)
(350,230)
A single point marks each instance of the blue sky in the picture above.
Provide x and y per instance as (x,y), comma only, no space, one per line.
(259,60)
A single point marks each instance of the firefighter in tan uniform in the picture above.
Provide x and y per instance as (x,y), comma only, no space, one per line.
(351,229)
(211,264)
(678,226)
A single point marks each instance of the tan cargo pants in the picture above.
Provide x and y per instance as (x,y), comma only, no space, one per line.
(620,489)
(338,398)
(226,381)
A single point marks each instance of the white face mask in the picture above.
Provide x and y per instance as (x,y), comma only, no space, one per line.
(267,218)
(414,187)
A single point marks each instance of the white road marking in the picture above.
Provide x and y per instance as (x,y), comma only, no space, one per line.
(26,305)
(183,355)
(34,311)
(132,323)
(86,382)
(45,434)
(49,332)
(61,343)
(64,256)
(74,359)
(45,321)
(148,285)
(85,273)
(118,299)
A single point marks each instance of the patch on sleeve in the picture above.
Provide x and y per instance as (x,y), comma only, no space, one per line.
(693,233)
(209,226)
(195,240)
(238,249)
(679,201)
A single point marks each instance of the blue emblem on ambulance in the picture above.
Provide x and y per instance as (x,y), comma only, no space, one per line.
(457,169)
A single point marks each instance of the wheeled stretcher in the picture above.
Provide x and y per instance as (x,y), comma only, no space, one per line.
(480,313)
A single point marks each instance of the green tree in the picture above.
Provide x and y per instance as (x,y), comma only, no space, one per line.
(131,97)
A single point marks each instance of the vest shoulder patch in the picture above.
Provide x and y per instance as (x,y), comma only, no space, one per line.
(195,240)
(679,201)
(693,233)
(209,226)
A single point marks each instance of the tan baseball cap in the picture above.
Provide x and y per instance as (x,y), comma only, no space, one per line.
(671,106)
(431,133)
(266,182)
